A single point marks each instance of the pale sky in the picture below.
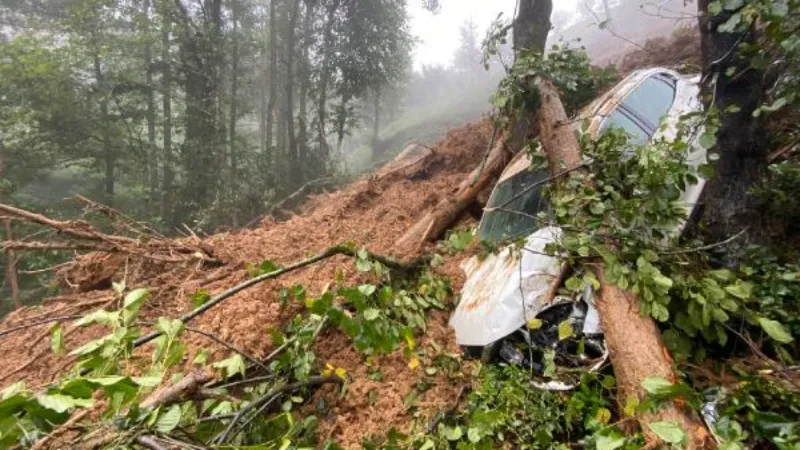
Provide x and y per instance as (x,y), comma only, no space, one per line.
(439,32)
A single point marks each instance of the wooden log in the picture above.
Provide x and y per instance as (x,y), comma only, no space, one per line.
(433,224)
(634,342)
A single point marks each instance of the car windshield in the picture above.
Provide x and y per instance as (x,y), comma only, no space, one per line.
(518,200)
(512,209)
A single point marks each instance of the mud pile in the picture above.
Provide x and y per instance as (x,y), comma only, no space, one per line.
(371,212)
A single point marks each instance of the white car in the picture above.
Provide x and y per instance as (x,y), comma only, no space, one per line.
(503,291)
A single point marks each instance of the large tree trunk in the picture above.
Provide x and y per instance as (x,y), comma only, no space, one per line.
(634,342)
(729,206)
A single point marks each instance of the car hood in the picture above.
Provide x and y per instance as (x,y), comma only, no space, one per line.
(505,290)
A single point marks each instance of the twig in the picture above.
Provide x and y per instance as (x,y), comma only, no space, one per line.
(11,330)
(332,251)
(75,418)
(219,341)
(41,246)
(173,393)
(150,442)
(495,130)
(707,247)
(46,269)
(537,184)
(313,381)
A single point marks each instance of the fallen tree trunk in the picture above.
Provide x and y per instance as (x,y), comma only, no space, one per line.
(634,342)
(431,226)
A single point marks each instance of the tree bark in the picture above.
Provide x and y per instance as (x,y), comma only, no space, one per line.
(324,78)
(11,267)
(634,342)
(152,151)
(433,224)
(273,73)
(296,174)
(376,122)
(232,152)
(166,104)
(729,205)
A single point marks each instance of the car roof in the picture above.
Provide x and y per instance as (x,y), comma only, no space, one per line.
(597,111)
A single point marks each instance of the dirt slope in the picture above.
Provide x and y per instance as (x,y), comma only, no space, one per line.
(371,212)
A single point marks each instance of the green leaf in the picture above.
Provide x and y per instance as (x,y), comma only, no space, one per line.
(135,298)
(267,266)
(169,420)
(565,330)
(453,434)
(231,366)
(535,324)
(428,445)
(741,290)
(63,403)
(366,289)
(775,330)
(200,298)
(57,339)
(670,432)
(201,358)
(598,208)
(656,385)
(474,435)
(100,316)
(119,288)
(363,265)
(609,442)
(371,314)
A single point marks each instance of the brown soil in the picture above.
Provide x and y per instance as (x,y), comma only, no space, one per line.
(371,212)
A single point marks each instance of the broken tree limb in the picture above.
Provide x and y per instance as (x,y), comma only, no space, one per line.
(82,230)
(183,388)
(634,342)
(44,246)
(438,220)
(329,253)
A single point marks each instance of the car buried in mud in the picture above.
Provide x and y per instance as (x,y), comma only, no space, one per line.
(504,291)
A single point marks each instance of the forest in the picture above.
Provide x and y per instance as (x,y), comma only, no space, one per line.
(259,224)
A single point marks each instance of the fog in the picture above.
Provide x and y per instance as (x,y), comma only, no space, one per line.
(448,85)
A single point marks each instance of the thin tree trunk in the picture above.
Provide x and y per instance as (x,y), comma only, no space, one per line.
(273,73)
(234,163)
(325,73)
(295,175)
(376,123)
(109,158)
(152,151)
(166,100)
(11,267)
(305,80)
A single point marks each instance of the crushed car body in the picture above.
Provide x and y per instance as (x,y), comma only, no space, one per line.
(506,291)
